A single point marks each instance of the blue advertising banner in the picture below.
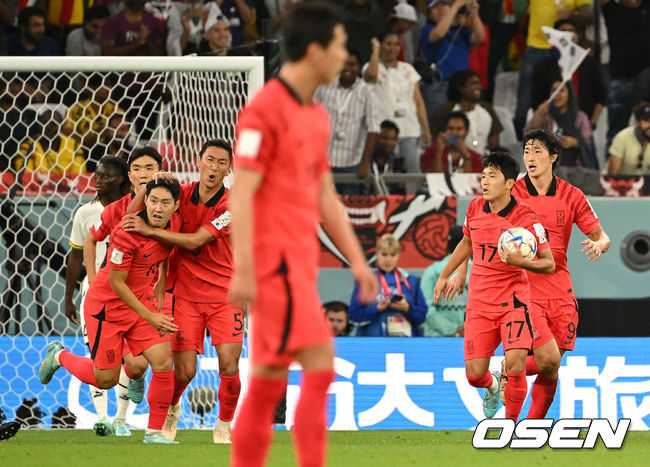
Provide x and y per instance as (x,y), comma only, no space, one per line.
(381,384)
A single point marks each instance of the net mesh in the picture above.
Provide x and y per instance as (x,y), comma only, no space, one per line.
(54,128)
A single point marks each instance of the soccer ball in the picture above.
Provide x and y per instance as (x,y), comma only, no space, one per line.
(518,237)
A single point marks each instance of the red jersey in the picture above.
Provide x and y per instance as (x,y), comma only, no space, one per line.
(286,141)
(495,285)
(111,216)
(204,275)
(561,207)
(140,256)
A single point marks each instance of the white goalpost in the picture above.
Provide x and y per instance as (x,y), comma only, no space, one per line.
(59,116)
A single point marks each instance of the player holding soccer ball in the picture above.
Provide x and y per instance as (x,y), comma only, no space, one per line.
(498,302)
(554,309)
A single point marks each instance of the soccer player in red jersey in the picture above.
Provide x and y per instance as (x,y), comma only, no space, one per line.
(203,277)
(498,302)
(116,299)
(554,309)
(283,187)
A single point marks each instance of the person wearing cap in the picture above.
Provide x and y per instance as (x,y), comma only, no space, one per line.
(402,20)
(446,319)
(216,38)
(629,153)
(446,41)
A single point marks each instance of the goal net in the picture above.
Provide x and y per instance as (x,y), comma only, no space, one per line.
(59,116)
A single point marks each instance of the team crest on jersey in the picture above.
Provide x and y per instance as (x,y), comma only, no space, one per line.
(560,217)
(541,233)
(117,256)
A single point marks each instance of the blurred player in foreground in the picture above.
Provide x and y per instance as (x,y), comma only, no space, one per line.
(283,188)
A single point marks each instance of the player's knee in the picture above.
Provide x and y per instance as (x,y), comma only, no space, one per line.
(184,373)
(162,363)
(106,381)
(229,367)
(550,363)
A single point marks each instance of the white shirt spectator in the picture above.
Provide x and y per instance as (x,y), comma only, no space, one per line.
(78,44)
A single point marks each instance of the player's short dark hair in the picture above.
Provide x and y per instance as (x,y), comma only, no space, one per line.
(550,141)
(96,12)
(389,124)
(216,143)
(306,23)
(460,115)
(172,185)
(121,167)
(26,14)
(456,82)
(335,306)
(502,161)
(145,151)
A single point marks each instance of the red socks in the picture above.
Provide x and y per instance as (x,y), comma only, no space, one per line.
(159,397)
(542,395)
(178,391)
(531,366)
(251,435)
(229,388)
(310,425)
(484,382)
(515,394)
(81,367)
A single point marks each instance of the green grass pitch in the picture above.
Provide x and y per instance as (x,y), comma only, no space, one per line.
(71,448)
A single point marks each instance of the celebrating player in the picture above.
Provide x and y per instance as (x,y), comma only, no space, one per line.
(282,189)
(204,270)
(111,183)
(554,309)
(116,299)
(499,300)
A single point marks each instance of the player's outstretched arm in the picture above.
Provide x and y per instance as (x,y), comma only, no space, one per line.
(73,270)
(461,254)
(597,244)
(159,321)
(242,285)
(89,256)
(189,241)
(335,223)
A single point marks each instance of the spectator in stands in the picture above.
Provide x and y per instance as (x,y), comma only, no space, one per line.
(403,18)
(400,308)
(542,13)
(133,31)
(113,141)
(628,29)
(237,12)
(8,9)
(89,117)
(16,122)
(396,85)
(453,29)
(364,20)
(86,40)
(217,38)
(564,118)
(338,318)
(30,38)
(447,318)
(629,153)
(587,80)
(269,15)
(52,152)
(185,22)
(450,154)
(383,159)
(464,95)
(354,117)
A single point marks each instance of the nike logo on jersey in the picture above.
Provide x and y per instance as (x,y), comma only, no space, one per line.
(146,256)
(161,334)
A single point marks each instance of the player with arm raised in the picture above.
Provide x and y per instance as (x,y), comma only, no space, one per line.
(282,189)
(204,270)
(111,183)
(117,301)
(554,310)
(498,302)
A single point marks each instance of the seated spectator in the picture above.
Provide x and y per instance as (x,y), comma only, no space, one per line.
(8,9)
(133,31)
(383,159)
(30,39)
(86,40)
(52,152)
(453,29)
(185,27)
(396,85)
(216,39)
(237,13)
(464,93)
(450,154)
(337,317)
(400,308)
(447,318)
(562,117)
(355,122)
(113,141)
(629,153)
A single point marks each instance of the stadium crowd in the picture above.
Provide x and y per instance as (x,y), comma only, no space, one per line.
(435,72)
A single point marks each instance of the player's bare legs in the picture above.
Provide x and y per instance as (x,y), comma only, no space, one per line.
(161,387)
(229,389)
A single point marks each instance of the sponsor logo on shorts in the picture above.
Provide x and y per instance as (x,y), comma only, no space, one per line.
(235,334)
(180,337)
(469,345)
(110,356)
